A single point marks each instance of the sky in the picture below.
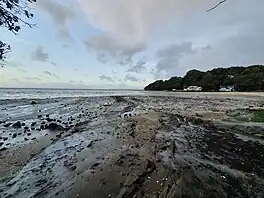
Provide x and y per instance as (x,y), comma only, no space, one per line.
(126,44)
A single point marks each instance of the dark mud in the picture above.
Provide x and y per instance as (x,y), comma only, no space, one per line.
(215,162)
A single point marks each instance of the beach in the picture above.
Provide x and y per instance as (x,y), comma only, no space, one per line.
(143,144)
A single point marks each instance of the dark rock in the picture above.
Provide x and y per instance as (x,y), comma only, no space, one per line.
(7,124)
(50,120)
(26,139)
(42,127)
(19,133)
(33,103)
(39,110)
(23,124)
(5,138)
(14,135)
(73,168)
(34,138)
(90,144)
(17,125)
(28,134)
(1,144)
(58,135)
(3,149)
(47,115)
(54,126)
(43,122)
(33,124)
(1,122)
(11,183)
(39,116)
(26,128)
(38,129)
(96,164)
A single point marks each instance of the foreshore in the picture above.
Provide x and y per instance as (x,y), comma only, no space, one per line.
(161,145)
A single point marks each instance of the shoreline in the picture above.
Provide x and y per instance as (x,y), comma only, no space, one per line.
(167,144)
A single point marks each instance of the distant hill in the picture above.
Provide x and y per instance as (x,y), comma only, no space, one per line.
(249,78)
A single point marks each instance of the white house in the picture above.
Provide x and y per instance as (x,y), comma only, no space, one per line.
(228,88)
(193,88)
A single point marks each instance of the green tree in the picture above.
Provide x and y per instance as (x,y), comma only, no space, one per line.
(249,78)
(208,82)
(13,13)
(192,77)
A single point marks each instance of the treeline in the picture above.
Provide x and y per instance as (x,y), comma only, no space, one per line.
(249,78)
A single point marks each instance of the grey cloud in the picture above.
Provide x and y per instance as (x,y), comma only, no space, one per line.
(169,57)
(138,67)
(234,36)
(60,15)
(108,48)
(40,55)
(131,78)
(51,74)
(104,77)
(243,48)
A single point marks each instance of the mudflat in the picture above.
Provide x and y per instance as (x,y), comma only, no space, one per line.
(160,145)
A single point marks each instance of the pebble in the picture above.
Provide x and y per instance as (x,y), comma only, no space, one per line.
(17,125)
(7,125)
(14,135)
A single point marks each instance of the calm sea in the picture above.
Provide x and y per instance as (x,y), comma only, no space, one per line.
(7,93)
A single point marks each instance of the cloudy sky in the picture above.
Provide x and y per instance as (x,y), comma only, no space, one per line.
(130,43)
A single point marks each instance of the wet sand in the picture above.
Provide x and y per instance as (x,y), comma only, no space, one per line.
(176,145)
